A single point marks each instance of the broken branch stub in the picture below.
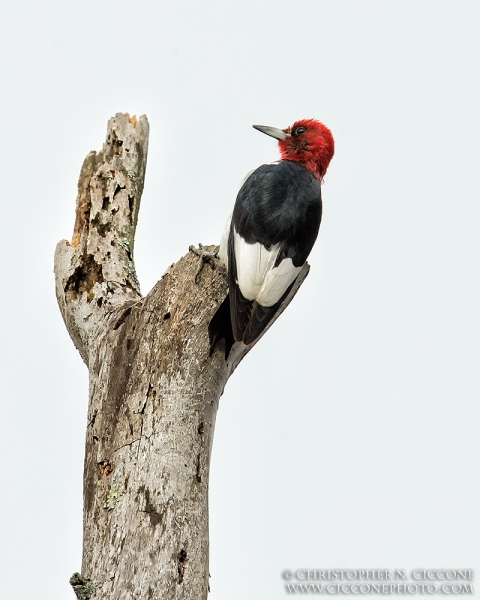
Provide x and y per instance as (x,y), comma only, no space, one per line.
(95,272)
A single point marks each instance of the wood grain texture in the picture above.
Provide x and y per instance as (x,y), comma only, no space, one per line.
(154,389)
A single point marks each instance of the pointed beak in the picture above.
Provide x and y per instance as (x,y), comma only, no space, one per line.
(278,134)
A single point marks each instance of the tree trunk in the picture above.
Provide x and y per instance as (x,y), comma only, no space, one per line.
(154,389)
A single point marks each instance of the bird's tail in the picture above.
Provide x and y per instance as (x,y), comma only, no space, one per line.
(220,328)
(249,320)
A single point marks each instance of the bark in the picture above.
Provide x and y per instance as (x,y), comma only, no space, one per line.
(154,389)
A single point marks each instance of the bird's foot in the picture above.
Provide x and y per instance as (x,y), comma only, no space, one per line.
(205,257)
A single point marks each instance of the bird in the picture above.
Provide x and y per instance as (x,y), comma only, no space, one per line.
(271,231)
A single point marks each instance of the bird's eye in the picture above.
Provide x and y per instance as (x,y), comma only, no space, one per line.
(299,130)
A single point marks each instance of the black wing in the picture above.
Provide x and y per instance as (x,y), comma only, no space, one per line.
(281,205)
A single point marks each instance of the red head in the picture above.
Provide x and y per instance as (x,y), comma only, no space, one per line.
(307,142)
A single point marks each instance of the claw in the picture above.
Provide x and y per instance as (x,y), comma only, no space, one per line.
(205,257)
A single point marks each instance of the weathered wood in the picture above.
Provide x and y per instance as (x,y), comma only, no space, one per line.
(154,389)
(95,273)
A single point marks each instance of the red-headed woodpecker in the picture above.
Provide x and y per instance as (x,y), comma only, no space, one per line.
(271,232)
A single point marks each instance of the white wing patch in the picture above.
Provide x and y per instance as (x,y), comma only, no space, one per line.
(276,282)
(257,278)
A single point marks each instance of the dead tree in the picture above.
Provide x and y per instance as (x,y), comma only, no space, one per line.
(154,389)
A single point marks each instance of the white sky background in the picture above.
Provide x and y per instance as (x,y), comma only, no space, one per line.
(349,437)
